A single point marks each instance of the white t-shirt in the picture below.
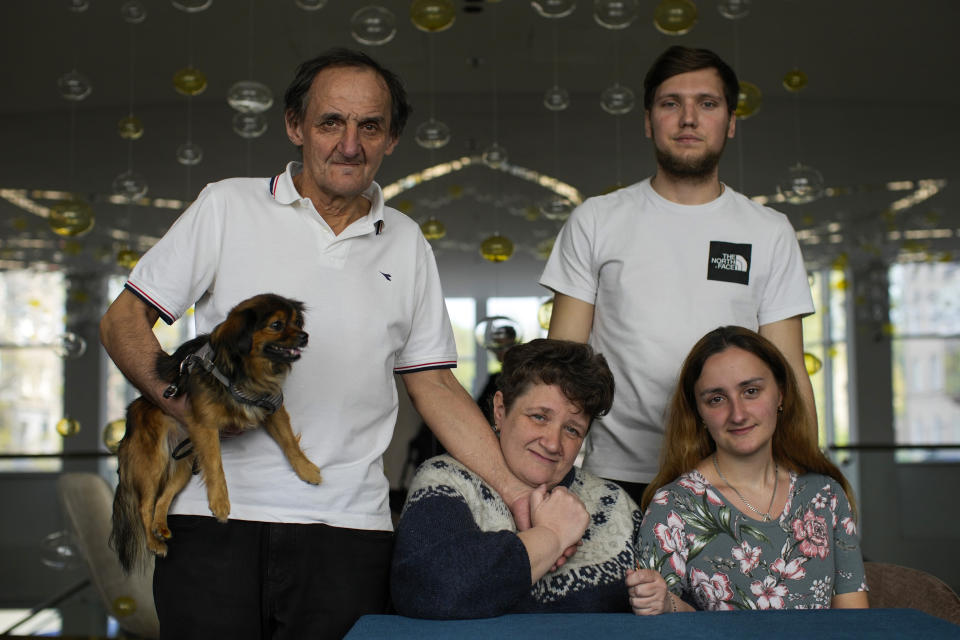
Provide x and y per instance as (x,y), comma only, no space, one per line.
(374,307)
(661,275)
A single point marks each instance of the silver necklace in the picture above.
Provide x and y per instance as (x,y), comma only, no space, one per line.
(776,480)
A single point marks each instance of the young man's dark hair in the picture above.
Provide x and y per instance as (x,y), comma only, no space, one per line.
(677,60)
(297,94)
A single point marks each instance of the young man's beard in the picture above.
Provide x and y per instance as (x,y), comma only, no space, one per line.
(696,169)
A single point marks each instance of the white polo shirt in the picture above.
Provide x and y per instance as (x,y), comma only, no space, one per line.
(374,308)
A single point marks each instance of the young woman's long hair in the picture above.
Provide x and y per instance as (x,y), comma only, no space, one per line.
(687,442)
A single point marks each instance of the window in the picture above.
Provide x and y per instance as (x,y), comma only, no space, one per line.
(31,367)
(523,311)
(463,318)
(925,327)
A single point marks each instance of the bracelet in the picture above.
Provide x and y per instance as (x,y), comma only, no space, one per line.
(673,601)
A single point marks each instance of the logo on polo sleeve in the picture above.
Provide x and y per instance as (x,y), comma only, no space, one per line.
(729,262)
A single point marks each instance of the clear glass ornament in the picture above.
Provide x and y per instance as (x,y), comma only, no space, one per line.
(497,333)
(78,6)
(130,128)
(74,86)
(189,154)
(67,427)
(250,96)
(71,346)
(555,207)
(310,5)
(617,99)
(71,218)
(795,80)
(249,125)
(190,81)
(554,8)
(556,98)
(494,156)
(496,248)
(433,229)
(133,12)
(615,14)
(192,6)
(733,9)
(373,25)
(60,551)
(675,17)
(129,185)
(113,433)
(749,100)
(432,134)
(801,184)
(432,15)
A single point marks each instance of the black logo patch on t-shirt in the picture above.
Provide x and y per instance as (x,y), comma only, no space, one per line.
(729,262)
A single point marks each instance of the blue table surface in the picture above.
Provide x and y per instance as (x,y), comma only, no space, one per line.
(738,625)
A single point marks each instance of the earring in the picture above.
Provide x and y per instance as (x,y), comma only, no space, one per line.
(496,429)
(780,409)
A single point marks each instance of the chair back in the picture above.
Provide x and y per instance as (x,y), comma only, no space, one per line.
(895,587)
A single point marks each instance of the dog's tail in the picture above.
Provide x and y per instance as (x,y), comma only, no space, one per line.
(127,534)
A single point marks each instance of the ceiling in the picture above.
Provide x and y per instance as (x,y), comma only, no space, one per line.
(879,110)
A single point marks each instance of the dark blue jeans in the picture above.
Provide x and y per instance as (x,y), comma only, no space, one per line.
(257,580)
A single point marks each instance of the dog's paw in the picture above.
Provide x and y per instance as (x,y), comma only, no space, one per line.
(161,532)
(220,510)
(309,472)
(157,548)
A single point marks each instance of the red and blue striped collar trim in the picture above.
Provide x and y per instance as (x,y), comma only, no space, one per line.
(274,181)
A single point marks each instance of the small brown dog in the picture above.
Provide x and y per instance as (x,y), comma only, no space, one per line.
(233,378)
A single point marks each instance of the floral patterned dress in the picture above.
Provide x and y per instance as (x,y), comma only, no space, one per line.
(716,558)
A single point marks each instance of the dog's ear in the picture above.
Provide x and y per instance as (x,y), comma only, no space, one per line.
(233,338)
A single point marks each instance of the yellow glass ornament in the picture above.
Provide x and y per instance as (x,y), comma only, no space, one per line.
(72,248)
(127,258)
(124,606)
(614,187)
(113,434)
(130,128)
(455,191)
(432,15)
(749,100)
(405,206)
(496,248)
(840,285)
(675,17)
(72,217)
(531,213)
(840,262)
(189,81)
(67,427)
(20,223)
(544,247)
(812,363)
(433,229)
(544,313)
(795,81)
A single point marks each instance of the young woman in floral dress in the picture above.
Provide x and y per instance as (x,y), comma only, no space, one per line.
(746,512)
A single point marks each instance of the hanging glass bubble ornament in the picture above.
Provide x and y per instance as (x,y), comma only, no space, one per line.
(615,14)
(71,218)
(78,6)
(432,15)
(554,8)
(71,346)
(249,125)
(133,12)
(812,363)
(494,156)
(74,86)
(496,248)
(749,100)
(544,314)
(60,551)
(675,17)
(127,258)
(433,229)
(497,333)
(189,154)
(67,427)
(801,185)
(617,99)
(123,606)
(373,25)
(555,207)
(192,6)
(432,134)
(795,81)
(310,5)
(130,127)
(556,98)
(250,96)
(130,186)
(113,433)
(733,9)
(190,81)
